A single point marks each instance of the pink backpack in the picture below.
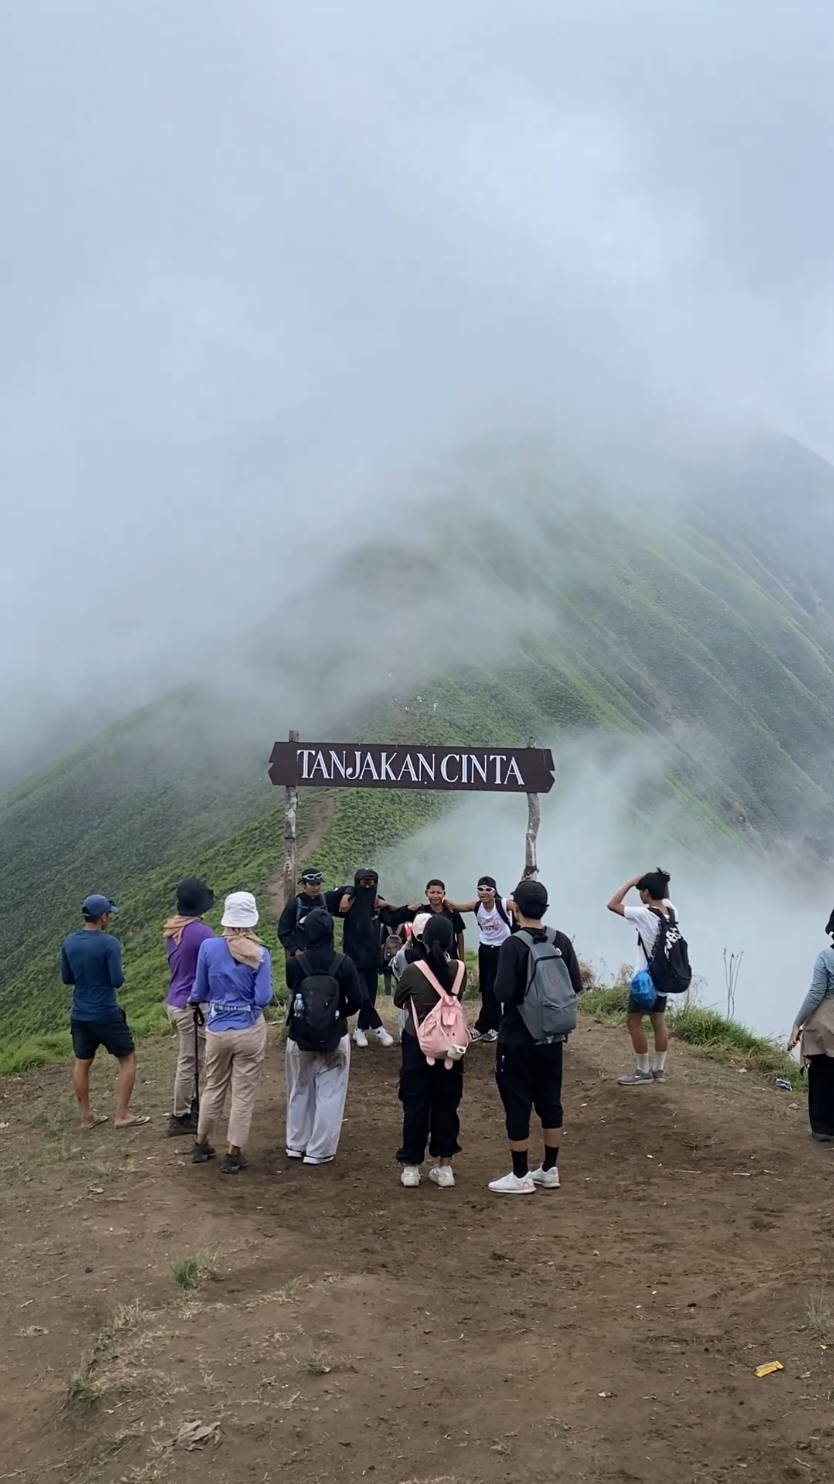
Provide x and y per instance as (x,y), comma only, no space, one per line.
(444,1034)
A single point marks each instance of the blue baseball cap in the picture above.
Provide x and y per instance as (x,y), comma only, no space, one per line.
(98,906)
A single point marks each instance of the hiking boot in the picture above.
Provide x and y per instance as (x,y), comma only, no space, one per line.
(410,1176)
(233,1164)
(659,1076)
(201,1153)
(546,1179)
(179,1124)
(513,1185)
(636,1079)
(442,1175)
(384,1037)
(359,1038)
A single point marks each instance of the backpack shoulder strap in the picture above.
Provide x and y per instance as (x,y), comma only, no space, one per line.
(435,982)
(338,960)
(502,911)
(301,958)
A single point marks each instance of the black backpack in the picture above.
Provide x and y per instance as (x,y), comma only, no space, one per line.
(669,961)
(315,1014)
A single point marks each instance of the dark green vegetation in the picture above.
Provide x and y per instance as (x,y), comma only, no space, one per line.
(714,638)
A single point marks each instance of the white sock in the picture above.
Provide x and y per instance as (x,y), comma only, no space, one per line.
(659,1061)
(643,1063)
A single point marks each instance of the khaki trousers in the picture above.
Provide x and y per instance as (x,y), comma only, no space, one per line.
(182,1025)
(233,1059)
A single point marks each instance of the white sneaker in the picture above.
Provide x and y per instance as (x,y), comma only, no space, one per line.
(442,1175)
(547,1179)
(384,1037)
(327,1161)
(512,1185)
(359,1038)
(294,1153)
(410,1176)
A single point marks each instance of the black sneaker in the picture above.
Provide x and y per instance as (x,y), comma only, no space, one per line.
(233,1164)
(179,1124)
(202,1153)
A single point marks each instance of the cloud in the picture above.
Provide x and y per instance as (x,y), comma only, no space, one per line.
(272,267)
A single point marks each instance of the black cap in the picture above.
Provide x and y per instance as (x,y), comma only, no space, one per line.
(314,877)
(530,898)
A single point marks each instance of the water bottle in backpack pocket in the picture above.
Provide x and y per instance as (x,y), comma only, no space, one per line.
(316,1009)
(549,1009)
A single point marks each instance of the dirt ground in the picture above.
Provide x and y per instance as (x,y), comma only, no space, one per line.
(345,1328)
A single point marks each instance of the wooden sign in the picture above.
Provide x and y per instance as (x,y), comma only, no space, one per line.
(371,765)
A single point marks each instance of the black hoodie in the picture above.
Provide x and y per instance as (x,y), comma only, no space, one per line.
(362,919)
(316,957)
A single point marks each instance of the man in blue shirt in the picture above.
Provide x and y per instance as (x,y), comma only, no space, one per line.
(91,961)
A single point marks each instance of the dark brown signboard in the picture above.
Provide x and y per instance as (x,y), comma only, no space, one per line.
(371,765)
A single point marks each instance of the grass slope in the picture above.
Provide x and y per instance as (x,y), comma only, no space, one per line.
(679,635)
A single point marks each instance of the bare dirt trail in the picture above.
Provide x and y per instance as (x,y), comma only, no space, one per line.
(352,1329)
(319,818)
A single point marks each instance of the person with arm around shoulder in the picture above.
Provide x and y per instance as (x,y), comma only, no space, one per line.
(814,1029)
(430,1091)
(234,981)
(183,934)
(91,962)
(494,919)
(653,888)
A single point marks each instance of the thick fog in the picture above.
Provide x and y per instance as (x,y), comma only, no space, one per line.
(268,269)
(593,838)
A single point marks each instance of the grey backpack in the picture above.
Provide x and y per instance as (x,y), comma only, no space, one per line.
(549,1008)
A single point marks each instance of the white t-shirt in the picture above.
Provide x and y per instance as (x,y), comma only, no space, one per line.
(648,926)
(492,929)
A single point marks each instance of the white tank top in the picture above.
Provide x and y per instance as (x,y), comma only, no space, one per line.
(492,929)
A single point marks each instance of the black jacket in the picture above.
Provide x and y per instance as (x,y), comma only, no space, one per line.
(511,982)
(362,920)
(291,921)
(317,960)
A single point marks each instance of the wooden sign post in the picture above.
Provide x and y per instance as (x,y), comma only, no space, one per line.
(291,835)
(524,770)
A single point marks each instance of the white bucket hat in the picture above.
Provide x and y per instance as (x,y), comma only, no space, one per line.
(240,910)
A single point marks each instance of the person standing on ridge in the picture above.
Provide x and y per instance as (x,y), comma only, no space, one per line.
(91,961)
(656,907)
(183,935)
(234,978)
(493,914)
(363,910)
(814,1027)
(528,1067)
(291,921)
(324,990)
(437,904)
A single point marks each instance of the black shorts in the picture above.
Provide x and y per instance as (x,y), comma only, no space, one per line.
(658,1008)
(114,1035)
(530,1077)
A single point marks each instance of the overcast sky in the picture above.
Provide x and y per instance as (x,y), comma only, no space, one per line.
(265,265)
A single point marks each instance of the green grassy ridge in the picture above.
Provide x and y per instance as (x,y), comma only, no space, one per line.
(642,635)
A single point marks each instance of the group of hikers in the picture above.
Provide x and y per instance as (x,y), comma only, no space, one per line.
(529,982)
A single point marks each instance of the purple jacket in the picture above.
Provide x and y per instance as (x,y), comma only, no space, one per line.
(182,958)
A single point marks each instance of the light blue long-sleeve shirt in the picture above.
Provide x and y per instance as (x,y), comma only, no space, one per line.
(822,984)
(235,994)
